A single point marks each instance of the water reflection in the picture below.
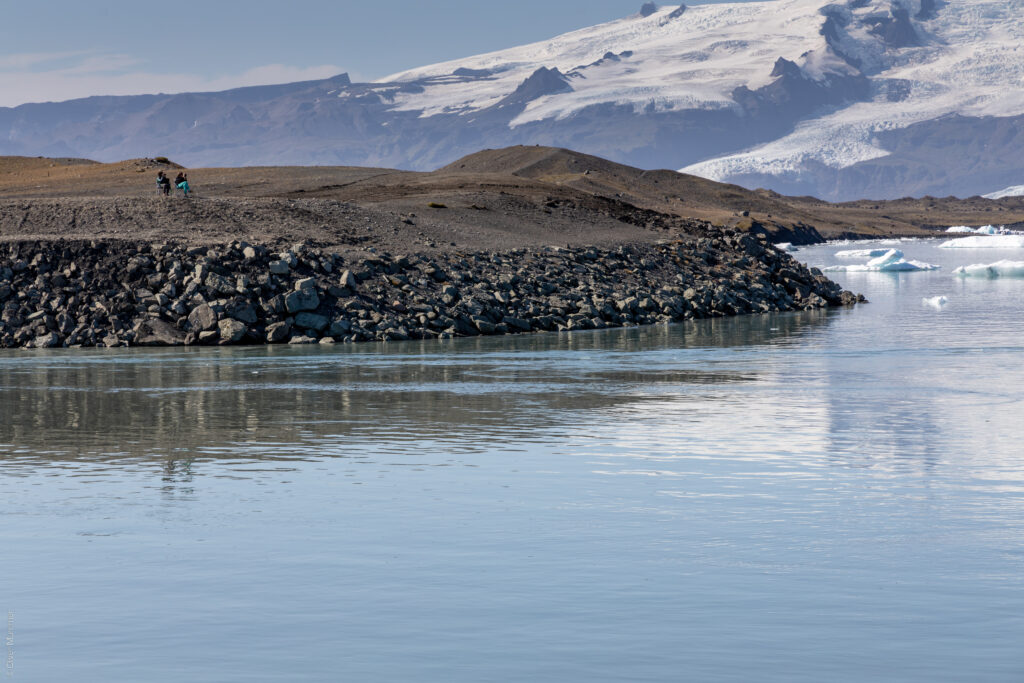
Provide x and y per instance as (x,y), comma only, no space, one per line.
(302,403)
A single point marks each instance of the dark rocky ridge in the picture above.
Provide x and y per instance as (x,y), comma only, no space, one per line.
(77,294)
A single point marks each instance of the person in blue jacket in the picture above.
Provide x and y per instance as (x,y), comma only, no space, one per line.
(163,183)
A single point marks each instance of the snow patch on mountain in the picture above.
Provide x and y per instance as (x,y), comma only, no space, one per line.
(694,59)
(971,64)
(1015,191)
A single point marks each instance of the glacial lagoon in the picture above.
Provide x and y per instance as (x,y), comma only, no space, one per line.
(836,495)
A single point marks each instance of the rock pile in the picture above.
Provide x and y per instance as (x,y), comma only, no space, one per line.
(75,294)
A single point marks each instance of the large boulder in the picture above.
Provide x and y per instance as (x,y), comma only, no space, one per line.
(156,332)
(304,298)
(232,331)
(202,318)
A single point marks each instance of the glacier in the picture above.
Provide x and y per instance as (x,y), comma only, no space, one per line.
(1014,191)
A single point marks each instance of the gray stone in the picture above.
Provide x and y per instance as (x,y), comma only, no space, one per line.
(156,332)
(280,267)
(250,253)
(202,318)
(221,284)
(340,328)
(328,340)
(302,340)
(278,332)
(46,341)
(242,311)
(209,336)
(517,323)
(485,326)
(306,283)
(311,321)
(232,331)
(301,300)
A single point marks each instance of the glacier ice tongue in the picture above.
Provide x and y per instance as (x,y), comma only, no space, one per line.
(992,270)
(892,261)
(985,242)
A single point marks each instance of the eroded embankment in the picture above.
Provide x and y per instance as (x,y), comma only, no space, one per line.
(74,294)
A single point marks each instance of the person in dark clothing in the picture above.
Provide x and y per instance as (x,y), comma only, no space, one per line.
(163,183)
(181,182)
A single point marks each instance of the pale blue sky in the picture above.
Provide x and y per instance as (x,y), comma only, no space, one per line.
(61,49)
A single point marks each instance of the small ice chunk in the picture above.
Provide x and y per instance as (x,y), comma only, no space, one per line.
(985,242)
(936,302)
(861,253)
(892,261)
(786,246)
(992,270)
(983,230)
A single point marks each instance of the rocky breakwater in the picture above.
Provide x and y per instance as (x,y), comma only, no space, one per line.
(79,294)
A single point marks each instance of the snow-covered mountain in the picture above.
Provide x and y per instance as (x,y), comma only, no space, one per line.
(843,99)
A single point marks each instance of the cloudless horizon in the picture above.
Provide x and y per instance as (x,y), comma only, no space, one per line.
(64,50)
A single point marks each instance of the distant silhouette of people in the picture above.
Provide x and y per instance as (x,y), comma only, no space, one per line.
(181,182)
(163,183)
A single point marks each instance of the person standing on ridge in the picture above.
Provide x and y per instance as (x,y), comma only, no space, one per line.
(163,183)
(181,182)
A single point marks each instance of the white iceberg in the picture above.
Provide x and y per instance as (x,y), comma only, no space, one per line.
(985,242)
(892,261)
(983,230)
(786,246)
(936,302)
(992,270)
(861,253)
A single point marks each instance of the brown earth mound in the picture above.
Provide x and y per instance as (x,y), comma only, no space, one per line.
(495,199)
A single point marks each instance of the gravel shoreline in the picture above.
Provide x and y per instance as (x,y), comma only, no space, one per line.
(131,293)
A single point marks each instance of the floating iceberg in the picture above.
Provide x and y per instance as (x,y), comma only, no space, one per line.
(983,230)
(992,270)
(861,253)
(936,302)
(786,246)
(985,242)
(892,261)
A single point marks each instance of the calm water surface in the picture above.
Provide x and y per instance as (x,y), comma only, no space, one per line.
(808,497)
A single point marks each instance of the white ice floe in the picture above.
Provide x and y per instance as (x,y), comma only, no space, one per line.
(892,261)
(936,302)
(983,230)
(985,242)
(786,246)
(861,253)
(992,270)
